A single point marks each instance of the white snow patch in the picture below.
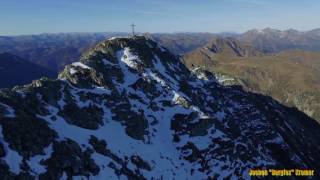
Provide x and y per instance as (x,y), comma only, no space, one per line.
(155,77)
(21,93)
(129,58)
(12,158)
(200,75)
(81,65)
(129,77)
(222,79)
(113,38)
(64,176)
(34,161)
(10,111)
(162,49)
(107,63)
(220,115)
(73,71)
(105,171)
(162,70)
(80,178)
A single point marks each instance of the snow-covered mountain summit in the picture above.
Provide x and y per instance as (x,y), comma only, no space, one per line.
(129,109)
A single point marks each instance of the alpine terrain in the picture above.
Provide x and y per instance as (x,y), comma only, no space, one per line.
(129,109)
(292,77)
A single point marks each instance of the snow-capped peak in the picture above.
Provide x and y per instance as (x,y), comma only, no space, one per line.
(130,109)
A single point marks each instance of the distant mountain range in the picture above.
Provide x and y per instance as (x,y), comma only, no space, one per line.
(16,71)
(181,43)
(272,41)
(54,51)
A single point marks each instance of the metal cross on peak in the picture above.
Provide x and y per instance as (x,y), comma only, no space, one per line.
(133,25)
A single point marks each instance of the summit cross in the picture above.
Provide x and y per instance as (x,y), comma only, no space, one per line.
(133,25)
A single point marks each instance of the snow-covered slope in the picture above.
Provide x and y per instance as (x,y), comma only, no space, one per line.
(131,110)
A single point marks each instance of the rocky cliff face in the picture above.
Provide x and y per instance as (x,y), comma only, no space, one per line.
(131,109)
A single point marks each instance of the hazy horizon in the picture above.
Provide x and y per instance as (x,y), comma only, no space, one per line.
(155,16)
(176,32)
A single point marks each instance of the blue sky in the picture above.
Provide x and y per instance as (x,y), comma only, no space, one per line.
(49,16)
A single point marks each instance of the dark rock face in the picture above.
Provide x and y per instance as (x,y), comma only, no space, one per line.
(23,133)
(130,109)
(182,124)
(140,163)
(100,146)
(88,117)
(68,157)
(136,124)
(2,152)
